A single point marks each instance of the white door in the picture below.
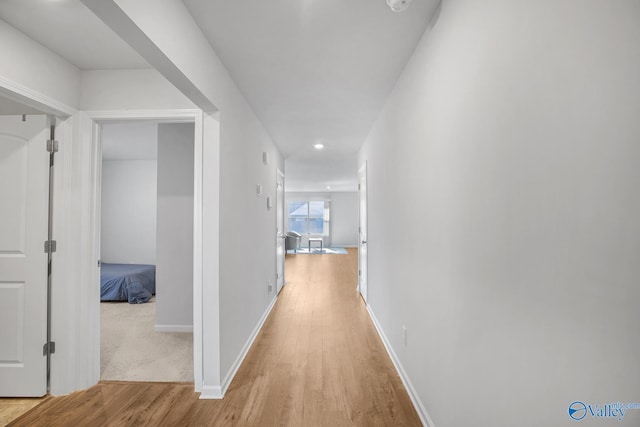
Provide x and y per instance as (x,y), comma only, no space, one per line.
(24,213)
(362,255)
(280,237)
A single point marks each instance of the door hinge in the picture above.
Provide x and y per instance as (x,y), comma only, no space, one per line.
(52,146)
(49,246)
(49,348)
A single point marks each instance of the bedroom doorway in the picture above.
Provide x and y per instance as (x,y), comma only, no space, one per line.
(146,206)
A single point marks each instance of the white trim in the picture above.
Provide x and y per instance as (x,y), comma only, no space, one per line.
(211,392)
(69,373)
(198,251)
(243,353)
(94,120)
(215,392)
(165,116)
(173,328)
(31,98)
(420,409)
(281,238)
(363,197)
(209,323)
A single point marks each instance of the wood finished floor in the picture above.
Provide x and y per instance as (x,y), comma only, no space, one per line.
(317,361)
(12,407)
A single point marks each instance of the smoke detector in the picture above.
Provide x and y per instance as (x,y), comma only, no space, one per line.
(398,5)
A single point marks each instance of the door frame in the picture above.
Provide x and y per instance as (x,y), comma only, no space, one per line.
(33,99)
(363,194)
(280,207)
(92,127)
(64,369)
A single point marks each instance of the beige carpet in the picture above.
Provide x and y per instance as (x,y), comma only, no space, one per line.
(131,350)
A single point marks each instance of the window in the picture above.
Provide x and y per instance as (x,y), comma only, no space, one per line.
(309,216)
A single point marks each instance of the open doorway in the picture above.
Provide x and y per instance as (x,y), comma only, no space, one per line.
(146,246)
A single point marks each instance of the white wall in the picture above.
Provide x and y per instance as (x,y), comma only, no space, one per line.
(46,81)
(129,175)
(343,226)
(510,196)
(344,218)
(247,231)
(119,91)
(174,270)
(129,89)
(36,72)
(246,227)
(128,219)
(27,63)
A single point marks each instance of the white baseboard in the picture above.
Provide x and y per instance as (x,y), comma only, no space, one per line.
(420,409)
(243,353)
(211,392)
(174,328)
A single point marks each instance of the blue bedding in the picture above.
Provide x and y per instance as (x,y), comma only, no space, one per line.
(135,283)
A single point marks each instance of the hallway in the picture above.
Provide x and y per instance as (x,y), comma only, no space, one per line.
(318,361)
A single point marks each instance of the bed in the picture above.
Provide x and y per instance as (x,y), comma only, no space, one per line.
(135,283)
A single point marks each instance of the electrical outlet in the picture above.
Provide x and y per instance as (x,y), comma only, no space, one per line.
(404,334)
(270,286)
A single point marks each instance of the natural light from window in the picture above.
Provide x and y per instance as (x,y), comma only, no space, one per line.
(309,217)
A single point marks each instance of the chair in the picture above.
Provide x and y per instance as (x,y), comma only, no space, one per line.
(292,241)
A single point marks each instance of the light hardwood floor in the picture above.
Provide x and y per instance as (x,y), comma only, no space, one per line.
(317,361)
(12,407)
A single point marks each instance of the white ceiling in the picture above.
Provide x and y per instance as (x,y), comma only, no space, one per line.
(313,70)
(72,31)
(320,173)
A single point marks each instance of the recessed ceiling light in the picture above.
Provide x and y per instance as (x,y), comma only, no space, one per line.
(398,5)
(328,187)
(318,146)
